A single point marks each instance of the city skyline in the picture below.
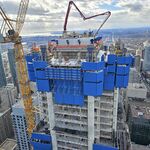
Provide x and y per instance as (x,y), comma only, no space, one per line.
(46,16)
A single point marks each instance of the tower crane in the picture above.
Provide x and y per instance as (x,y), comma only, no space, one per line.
(11,33)
(107,14)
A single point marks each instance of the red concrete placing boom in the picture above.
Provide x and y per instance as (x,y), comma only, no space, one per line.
(107,14)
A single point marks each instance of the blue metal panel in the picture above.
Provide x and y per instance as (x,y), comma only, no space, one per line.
(109,81)
(93,89)
(43,137)
(36,55)
(93,76)
(43,85)
(29,58)
(63,73)
(30,66)
(41,141)
(111,59)
(69,99)
(122,81)
(68,92)
(40,64)
(31,75)
(93,66)
(122,60)
(41,146)
(111,68)
(103,147)
(123,70)
(40,74)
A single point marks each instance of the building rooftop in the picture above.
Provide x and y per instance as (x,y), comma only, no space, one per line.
(8,144)
(137,90)
(139,147)
(140,109)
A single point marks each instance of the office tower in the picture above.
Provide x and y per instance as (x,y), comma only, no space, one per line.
(146,64)
(20,126)
(6,129)
(3,81)
(11,58)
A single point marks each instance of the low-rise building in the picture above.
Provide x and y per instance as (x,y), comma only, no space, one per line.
(137,91)
(139,122)
(8,144)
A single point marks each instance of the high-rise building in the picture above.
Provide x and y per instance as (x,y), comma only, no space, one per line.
(20,126)
(6,129)
(7,70)
(146,64)
(80,91)
(3,81)
(8,94)
(11,58)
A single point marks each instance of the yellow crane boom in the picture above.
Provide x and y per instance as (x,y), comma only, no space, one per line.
(9,34)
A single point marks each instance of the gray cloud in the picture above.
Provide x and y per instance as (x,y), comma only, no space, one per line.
(47,15)
(137,7)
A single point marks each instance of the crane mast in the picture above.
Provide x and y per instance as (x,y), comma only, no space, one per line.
(13,35)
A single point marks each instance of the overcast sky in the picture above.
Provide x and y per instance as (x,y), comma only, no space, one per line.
(48,15)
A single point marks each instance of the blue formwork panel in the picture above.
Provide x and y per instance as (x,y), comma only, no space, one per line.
(122,81)
(109,81)
(93,89)
(40,64)
(59,98)
(68,99)
(111,68)
(111,59)
(43,85)
(29,58)
(41,141)
(103,147)
(93,66)
(43,137)
(40,74)
(41,146)
(36,55)
(123,70)
(63,73)
(31,75)
(93,76)
(30,66)
(68,92)
(122,60)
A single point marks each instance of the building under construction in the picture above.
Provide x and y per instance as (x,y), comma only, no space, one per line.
(80,92)
(78,82)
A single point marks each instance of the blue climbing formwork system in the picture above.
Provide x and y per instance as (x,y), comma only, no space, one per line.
(71,85)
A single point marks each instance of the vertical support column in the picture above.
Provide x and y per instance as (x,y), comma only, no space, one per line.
(115,108)
(40,105)
(51,117)
(90,122)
